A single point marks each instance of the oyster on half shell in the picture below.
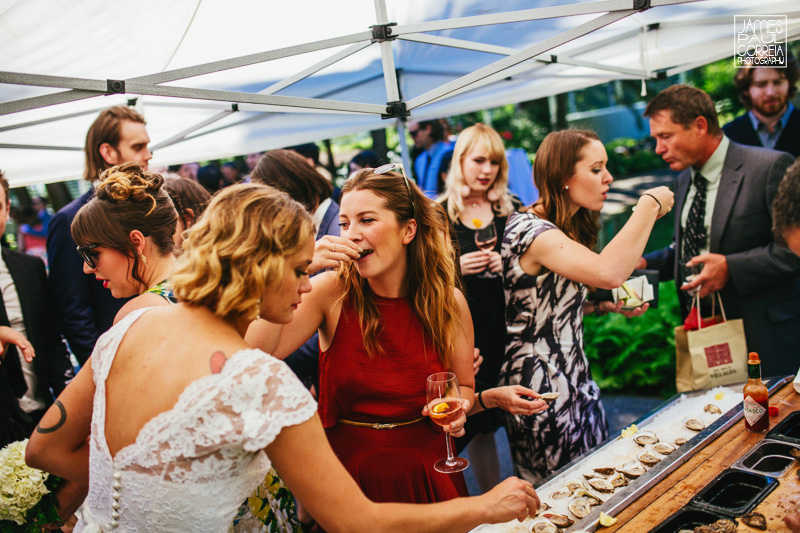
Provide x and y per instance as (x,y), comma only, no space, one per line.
(593,475)
(601,485)
(680,441)
(712,409)
(664,448)
(694,423)
(756,520)
(648,458)
(618,480)
(645,437)
(559,520)
(549,397)
(632,469)
(560,493)
(604,470)
(592,498)
(541,525)
(574,484)
(543,506)
(580,507)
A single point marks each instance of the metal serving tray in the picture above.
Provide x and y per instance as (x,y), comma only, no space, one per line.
(624,496)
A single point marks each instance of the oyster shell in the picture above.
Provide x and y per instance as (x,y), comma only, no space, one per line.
(664,448)
(549,396)
(579,507)
(680,441)
(605,471)
(593,475)
(574,484)
(795,452)
(541,525)
(694,423)
(559,520)
(712,409)
(601,485)
(592,498)
(645,437)
(648,458)
(618,480)
(632,469)
(756,520)
(724,526)
(561,493)
(543,506)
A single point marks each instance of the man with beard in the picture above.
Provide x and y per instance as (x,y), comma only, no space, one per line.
(771,120)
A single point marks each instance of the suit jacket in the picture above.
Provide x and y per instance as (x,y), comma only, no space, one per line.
(84,309)
(764,289)
(741,131)
(51,364)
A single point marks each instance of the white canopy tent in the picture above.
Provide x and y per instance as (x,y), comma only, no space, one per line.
(219,78)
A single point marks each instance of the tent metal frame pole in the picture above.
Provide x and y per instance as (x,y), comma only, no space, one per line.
(51,119)
(41,147)
(45,100)
(405,153)
(252,59)
(587,8)
(387,56)
(519,57)
(188,131)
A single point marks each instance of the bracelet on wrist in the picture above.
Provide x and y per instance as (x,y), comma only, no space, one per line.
(480,401)
(660,207)
(598,311)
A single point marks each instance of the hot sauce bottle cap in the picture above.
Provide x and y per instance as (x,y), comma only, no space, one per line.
(753,356)
(773,410)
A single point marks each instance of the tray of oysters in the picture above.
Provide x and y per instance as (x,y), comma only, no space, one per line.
(615,473)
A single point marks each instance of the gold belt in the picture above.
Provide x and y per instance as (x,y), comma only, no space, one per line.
(379,425)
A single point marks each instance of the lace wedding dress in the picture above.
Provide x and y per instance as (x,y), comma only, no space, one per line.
(192,466)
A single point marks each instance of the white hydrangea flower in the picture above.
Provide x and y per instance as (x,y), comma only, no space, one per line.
(21,487)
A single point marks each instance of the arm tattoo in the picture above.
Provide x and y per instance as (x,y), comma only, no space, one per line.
(58,424)
(217,361)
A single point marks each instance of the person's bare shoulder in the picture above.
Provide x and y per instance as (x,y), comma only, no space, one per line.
(147,299)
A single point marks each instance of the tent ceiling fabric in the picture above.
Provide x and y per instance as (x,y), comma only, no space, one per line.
(307,70)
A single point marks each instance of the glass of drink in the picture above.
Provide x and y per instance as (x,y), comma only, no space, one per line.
(485,240)
(444,406)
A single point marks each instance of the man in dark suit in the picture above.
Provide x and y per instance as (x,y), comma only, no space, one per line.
(771,120)
(85,308)
(723,222)
(27,387)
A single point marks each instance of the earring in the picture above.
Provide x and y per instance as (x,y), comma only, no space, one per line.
(144,260)
(465,190)
(258,310)
(566,187)
(492,196)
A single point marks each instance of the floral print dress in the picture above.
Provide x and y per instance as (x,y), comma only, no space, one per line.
(544,351)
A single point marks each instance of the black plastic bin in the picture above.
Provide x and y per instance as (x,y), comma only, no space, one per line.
(772,458)
(735,492)
(687,518)
(788,430)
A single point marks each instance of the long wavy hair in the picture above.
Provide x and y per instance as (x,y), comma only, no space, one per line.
(431,267)
(553,167)
(128,198)
(237,250)
(487,138)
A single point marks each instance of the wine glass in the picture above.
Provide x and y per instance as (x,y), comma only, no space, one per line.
(485,240)
(444,406)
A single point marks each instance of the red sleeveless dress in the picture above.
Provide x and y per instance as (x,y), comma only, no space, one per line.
(390,465)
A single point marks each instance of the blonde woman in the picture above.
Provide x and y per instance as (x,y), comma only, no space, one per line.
(183,417)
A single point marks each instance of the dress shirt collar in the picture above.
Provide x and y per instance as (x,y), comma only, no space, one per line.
(757,124)
(319,214)
(712,169)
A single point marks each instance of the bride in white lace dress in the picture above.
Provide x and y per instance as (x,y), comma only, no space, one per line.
(179,419)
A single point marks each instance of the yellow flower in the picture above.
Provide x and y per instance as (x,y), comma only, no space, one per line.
(477,222)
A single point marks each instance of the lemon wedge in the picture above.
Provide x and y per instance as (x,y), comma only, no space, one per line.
(477,222)
(718,396)
(629,431)
(607,521)
(439,408)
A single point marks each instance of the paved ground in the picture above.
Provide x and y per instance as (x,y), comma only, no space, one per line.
(622,411)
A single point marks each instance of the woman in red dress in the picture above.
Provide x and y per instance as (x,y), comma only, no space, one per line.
(386,321)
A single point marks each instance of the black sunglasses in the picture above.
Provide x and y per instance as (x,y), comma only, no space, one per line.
(87,255)
(389,168)
(413,133)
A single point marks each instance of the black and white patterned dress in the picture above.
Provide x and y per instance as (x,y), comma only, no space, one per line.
(544,351)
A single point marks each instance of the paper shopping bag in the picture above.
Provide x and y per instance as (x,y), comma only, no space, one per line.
(711,356)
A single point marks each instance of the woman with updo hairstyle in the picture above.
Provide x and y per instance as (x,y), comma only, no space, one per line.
(184,418)
(477,195)
(548,267)
(125,236)
(190,200)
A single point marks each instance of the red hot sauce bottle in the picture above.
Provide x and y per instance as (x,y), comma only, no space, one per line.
(756,398)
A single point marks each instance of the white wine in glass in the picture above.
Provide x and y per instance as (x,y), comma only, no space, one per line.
(444,406)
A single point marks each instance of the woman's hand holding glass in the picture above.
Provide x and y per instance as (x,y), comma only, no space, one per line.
(446,408)
(330,250)
(480,262)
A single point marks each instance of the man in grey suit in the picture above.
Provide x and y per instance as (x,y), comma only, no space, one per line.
(723,202)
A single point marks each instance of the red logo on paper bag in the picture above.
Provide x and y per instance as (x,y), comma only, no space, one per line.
(719,354)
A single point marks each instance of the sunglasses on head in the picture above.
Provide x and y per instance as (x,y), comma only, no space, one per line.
(87,254)
(389,168)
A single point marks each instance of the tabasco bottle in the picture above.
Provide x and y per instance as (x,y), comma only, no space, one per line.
(756,398)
